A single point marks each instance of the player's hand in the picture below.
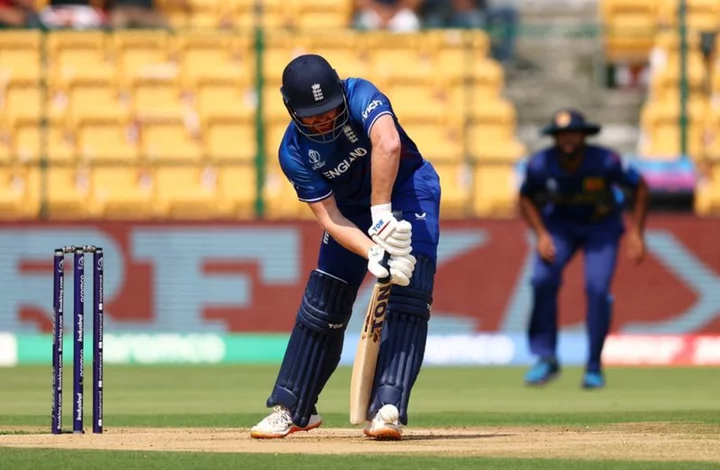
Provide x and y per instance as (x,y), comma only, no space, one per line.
(546,247)
(401,267)
(636,247)
(394,236)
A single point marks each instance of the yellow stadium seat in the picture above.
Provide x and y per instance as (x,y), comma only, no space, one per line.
(455,182)
(280,48)
(668,76)
(487,77)
(142,53)
(213,57)
(67,191)
(273,136)
(22,104)
(107,140)
(274,16)
(175,12)
(170,140)
(30,142)
(701,15)
(229,138)
(121,193)
(491,133)
(660,137)
(157,99)
(79,56)
(707,192)
(6,147)
(630,28)
(185,193)
(281,200)
(19,193)
(201,19)
(318,20)
(95,100)
(403,65)
(274,110)
(225,99)
(712,134)
(343,57)
(417,103)
(323,15)
(669,41)
(475,41)
(236,191)
(20,56)
(437,142)
(494,192)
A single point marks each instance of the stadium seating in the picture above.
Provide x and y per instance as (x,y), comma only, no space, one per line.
(157,124)
(495,191)
(707,192)
(629,29)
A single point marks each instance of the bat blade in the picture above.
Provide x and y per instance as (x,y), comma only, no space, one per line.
(363,373)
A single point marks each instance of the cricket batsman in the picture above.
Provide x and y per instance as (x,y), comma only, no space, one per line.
(571,199)
(349,159)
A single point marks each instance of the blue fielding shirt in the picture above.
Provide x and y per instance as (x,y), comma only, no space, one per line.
(342,167)
(588,194)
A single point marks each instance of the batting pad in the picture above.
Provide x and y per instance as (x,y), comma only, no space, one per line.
(315,345)
(403,344)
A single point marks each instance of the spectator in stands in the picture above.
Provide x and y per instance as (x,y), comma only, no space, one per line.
(135,14)
(18,14)
(73,14)
(399,16)
(500,20)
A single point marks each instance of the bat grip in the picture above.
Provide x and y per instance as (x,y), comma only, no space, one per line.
(386,257)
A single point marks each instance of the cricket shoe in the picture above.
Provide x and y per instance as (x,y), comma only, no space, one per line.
(593,380)
(279,424)
(542,372)
(385,425)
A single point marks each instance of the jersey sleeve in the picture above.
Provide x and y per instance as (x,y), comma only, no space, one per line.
(534,182)
(367,104)
(309,186)
(622,175)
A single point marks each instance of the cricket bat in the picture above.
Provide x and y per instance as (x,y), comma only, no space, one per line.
(363,373)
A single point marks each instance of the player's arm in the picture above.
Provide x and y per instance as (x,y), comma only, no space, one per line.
(385,159)
(340,228)
(630,178)
(352,238)
(531,186)
(531,213)
(640,207)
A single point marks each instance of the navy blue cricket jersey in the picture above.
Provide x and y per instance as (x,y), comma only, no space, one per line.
(588,194)
(342,167)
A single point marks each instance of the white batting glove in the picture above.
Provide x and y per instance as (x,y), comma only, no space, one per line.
(401,267)
(392,235)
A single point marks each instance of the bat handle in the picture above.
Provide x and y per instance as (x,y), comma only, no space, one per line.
(386,257)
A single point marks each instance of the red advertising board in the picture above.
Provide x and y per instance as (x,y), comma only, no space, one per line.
(249,276)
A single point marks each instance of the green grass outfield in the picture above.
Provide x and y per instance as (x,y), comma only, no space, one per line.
(234,396)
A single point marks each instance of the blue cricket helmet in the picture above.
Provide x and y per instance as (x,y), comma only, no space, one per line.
(311,87)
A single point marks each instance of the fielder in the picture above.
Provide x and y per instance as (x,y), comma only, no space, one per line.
(571,199)
(348,157)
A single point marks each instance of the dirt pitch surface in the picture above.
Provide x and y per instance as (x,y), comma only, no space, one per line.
(635,441)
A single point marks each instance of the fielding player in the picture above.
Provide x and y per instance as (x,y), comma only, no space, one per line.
(571,198)
(350,160)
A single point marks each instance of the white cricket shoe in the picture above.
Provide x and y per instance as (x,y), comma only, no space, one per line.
(385,424)
(279,424)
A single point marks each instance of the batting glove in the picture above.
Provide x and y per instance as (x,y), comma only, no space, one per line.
(401,267)
(392,235)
